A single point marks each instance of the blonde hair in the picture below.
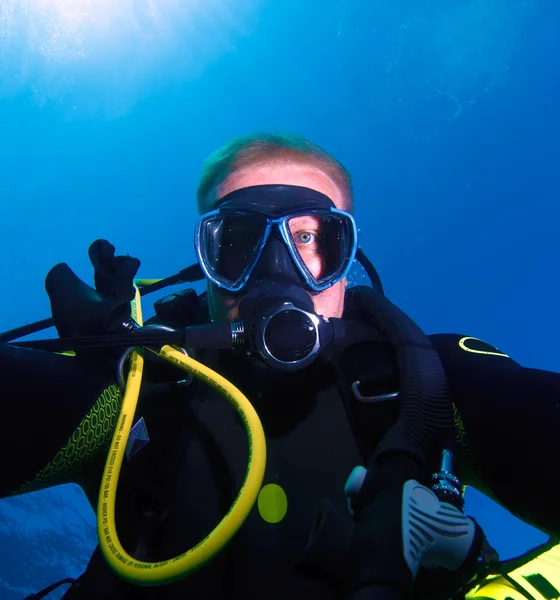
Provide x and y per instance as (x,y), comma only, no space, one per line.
(267,148)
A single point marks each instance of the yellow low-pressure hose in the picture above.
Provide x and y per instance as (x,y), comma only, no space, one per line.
(143,573)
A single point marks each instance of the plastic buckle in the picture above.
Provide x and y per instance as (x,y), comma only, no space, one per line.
(379,398)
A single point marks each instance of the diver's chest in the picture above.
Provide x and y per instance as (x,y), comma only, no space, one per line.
(305,464)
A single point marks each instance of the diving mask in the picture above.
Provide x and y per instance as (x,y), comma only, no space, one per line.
(320,239)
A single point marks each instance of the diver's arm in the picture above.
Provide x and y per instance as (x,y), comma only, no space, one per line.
(59,412)
(45,398)
(511,422)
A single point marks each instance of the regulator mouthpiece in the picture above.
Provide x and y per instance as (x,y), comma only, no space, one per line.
(290,337)
(281,326)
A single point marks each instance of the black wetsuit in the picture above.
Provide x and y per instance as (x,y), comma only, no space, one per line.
(174,491)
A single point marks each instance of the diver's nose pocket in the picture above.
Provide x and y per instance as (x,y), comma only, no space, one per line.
(275,261)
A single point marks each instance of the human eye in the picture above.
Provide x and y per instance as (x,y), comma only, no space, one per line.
(305,232)
(306,238)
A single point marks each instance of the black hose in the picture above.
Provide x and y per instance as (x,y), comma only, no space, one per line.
(425,409)
(370,270)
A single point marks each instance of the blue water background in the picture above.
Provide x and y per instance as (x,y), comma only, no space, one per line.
(445,112)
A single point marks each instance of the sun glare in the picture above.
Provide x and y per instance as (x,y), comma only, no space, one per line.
(52,46)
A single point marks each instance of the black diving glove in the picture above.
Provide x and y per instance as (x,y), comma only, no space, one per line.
(114,275)
(77,308)
(403,530)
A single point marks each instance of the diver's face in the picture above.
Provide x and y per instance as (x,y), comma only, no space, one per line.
(330,303)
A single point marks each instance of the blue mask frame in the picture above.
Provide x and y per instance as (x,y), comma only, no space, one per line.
(277,204)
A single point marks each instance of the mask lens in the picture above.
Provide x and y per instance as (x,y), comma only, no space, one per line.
(323,243)
(231,244)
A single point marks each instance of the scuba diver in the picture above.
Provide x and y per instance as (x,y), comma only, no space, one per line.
(342,475)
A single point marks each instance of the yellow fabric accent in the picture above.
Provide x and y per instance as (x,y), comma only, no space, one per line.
(272,503)
(464,346)
(90,440)
(540,578)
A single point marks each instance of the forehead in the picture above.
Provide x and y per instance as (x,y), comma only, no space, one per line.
(282,173)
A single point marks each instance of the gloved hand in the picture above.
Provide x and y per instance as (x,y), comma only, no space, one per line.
(114,275)
(77,308)
(406,530)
